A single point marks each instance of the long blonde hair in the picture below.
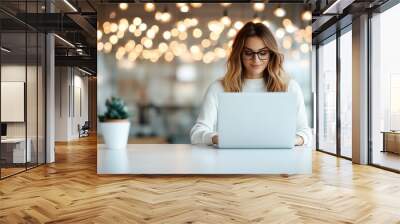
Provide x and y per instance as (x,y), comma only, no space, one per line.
(274,76)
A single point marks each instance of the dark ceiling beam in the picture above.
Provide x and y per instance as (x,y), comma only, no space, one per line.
(49,22)
(84,24)
(78,61)
(16,18)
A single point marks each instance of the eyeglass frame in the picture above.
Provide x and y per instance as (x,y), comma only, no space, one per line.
(256,53)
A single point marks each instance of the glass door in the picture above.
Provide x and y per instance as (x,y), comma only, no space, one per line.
(326,132)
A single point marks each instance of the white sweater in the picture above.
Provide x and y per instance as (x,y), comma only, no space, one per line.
(205,127)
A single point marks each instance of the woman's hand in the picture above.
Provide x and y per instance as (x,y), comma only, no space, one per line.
(215,139)
(299,140)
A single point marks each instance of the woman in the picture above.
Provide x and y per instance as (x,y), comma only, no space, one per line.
(254,65)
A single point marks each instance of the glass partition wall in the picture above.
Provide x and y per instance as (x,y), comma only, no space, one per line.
(326,131)
(334,94)
(346,93)
(385,90)
(22,77)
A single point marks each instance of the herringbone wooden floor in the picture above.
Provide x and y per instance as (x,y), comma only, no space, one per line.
(70,191)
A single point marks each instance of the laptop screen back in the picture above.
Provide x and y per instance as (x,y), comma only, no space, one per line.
(256,120)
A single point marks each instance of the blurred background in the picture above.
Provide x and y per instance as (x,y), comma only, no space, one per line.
(160,58)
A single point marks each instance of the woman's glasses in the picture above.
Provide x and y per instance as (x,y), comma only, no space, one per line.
(262,54)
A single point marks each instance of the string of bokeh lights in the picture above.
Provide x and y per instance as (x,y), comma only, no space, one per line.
(112,36)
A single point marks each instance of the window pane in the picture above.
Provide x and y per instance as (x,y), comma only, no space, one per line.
(346,94)
(327,97)
(386,89)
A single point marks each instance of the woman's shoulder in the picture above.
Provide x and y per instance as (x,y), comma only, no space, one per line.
(293,86)
(216,86)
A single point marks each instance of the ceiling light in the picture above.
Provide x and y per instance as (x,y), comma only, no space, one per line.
(137,32)
(256,19)
(165,17)
(206,43)
(5,50)
(184,9)
(162,47)
(149,7)
(226,4)
(306,16)
(137,21)
(187,22)
(220,52)
(279,12)
(158,15)
(214,36)
(65,41)
(266,23)
(175,32)
(123,6)
(238,25)
(123,24)
(150,34)
(147,43)
(120,34)
(182,36)
(291,29)
(132,28)
(280,33)
(231,33)
(197,33)
(167,35)
(100,46)
(258,6)
(181,27)
(335,7)
(70,5)
(196,5)
(194,22)
(180,5)
(130,45)
(107,47)
(143,26)
(169,56)
(107,27)
(287,42)
(99,34)
(113,39)
(84,71)
(225,19)
(215,26)
(155,28)
(287,22)
(114,27)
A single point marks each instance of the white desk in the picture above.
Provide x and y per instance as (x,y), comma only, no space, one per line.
(19,149)
(191,159)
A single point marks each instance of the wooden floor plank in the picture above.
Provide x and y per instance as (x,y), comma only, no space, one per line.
(70,191)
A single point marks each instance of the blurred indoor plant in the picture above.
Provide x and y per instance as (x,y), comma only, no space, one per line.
(114,123)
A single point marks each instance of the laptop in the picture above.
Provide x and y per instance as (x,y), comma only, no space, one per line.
(256,120)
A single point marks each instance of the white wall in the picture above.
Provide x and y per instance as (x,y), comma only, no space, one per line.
(16,73)
(70,83)
(34,125)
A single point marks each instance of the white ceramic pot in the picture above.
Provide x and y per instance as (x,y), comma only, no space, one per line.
(115,133)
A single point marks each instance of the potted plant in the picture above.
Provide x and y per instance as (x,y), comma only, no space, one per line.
(114,123)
